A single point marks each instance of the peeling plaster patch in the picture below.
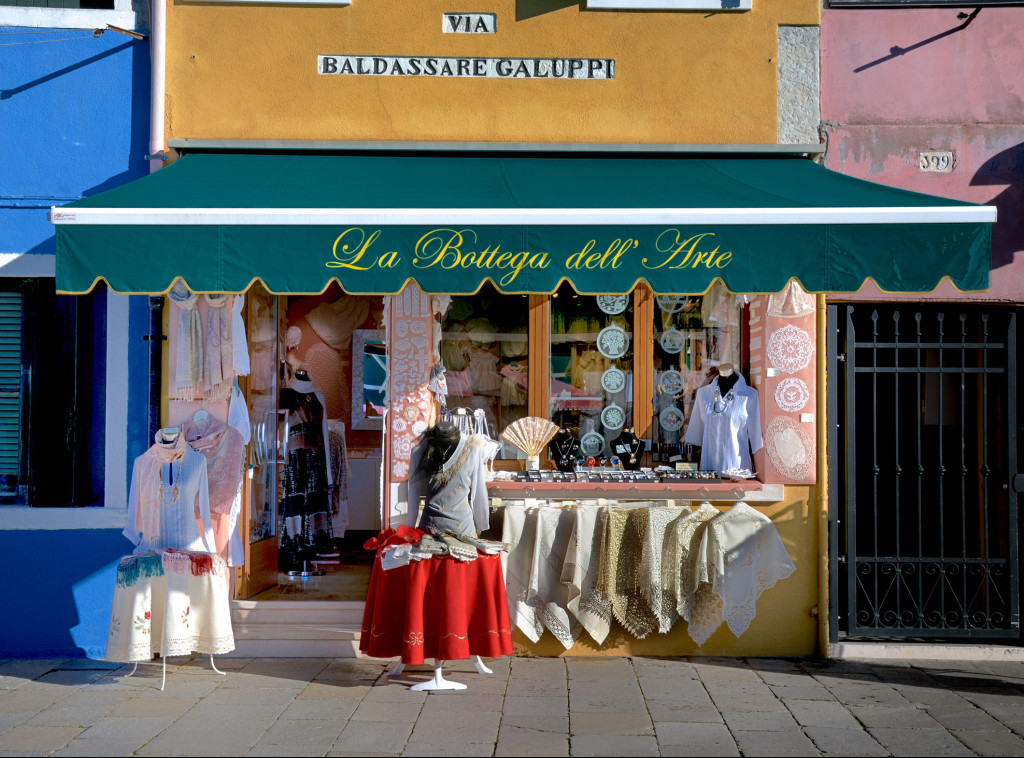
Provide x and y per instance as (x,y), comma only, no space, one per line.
(798,85)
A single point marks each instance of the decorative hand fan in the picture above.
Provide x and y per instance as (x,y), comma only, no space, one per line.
(531,435)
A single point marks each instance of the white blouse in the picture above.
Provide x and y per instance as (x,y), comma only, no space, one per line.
(727,429)
(181,490)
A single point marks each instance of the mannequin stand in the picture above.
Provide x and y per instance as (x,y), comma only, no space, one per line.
(163,680)
(438,682)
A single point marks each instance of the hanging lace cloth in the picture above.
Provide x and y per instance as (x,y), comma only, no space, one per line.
(546,593)
(188,365)
(741,555)
(519,532)
(239,345)
(655,589)
(682,545)
(582,568)
(621,578)
(339,474)
(219,354)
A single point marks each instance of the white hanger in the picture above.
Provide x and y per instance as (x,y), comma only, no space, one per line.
(170,434)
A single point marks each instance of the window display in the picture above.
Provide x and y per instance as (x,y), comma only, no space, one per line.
(485,352)
(591,362)
(693,336)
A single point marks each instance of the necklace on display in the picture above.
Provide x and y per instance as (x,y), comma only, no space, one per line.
(720,405)
(565,447)
(173,480)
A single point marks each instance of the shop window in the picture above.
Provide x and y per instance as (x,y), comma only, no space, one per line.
(617,373)
(485,348)
(590,391)
(51,396)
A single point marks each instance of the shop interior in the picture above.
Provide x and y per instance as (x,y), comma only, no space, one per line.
(316,407)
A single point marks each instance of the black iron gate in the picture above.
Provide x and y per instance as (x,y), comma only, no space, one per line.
(923,471)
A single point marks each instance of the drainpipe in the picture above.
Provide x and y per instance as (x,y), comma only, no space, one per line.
(157,52)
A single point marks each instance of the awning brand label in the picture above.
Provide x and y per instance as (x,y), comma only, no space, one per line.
(462,249)
(483,68)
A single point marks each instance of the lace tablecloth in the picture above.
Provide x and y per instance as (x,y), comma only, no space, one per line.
(437,608)
(170,602)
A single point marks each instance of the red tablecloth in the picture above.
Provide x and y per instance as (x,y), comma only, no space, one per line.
(437,608)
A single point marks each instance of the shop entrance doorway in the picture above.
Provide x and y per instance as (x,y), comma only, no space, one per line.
(923,463)
(313,468)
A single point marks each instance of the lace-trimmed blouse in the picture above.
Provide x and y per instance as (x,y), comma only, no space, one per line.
(169,490)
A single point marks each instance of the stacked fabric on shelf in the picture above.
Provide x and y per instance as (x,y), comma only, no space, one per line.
(575,567)
(407,544)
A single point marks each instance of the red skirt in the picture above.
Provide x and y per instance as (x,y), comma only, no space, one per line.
(437,608)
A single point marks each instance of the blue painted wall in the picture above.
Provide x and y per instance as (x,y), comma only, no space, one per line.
(59,587)
(74,121)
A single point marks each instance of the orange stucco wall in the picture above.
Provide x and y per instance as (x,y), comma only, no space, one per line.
(250,72)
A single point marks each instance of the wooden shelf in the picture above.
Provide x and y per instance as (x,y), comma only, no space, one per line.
(748,491)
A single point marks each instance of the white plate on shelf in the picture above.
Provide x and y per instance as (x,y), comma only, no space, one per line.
(613,342)
(672,341)
(671,419)
(613,417)
(612,304)
(671,382)
(671,303)
(591,444)
(613,380)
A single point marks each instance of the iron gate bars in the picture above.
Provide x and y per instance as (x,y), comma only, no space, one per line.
(924,509)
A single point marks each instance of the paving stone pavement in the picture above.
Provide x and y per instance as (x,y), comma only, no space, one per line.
(529,706)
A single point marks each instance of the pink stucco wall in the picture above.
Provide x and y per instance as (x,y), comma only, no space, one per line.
(898,81)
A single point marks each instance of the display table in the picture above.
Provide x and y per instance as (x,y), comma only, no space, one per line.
(438,608)
(170,602)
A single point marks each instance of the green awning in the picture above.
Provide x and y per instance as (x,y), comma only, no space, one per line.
(373,221)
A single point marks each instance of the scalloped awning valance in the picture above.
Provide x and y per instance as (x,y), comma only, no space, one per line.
(526,222)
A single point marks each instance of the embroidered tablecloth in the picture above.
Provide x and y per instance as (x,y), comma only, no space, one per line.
(170,602)
(437,608)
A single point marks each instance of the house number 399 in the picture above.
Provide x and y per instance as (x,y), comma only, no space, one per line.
(936,161)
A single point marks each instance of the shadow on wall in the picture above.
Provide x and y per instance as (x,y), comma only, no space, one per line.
(1005,168)
(60,584)
(527,9)
(134,164)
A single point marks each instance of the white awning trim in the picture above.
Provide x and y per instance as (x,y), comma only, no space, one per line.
(954,214)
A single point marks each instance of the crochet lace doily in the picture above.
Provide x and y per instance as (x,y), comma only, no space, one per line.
(789,447)
(790,349)
(791,394)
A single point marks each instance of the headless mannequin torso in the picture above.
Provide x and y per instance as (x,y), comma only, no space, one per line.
(441,442)
(727,378)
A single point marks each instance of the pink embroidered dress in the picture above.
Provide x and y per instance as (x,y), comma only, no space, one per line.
(168,501)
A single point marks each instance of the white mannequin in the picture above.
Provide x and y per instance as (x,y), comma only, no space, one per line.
(439,682)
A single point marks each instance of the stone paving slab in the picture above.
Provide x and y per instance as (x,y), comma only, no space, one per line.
(530,706)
